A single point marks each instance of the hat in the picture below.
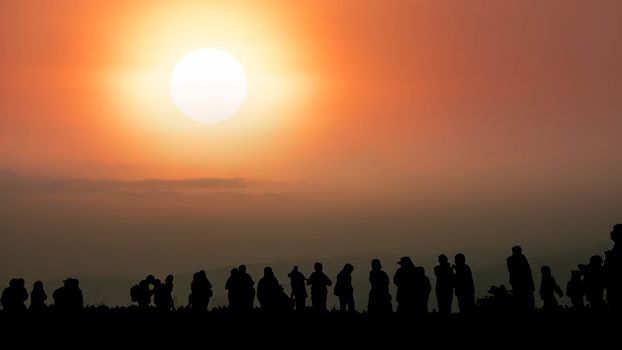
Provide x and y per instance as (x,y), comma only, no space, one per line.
(405,260)
(71,282)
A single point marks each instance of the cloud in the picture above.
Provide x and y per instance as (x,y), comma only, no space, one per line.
(14,183)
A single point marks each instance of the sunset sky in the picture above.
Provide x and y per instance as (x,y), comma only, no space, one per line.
(402,127)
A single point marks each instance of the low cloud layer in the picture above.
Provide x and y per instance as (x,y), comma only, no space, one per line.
(14,183)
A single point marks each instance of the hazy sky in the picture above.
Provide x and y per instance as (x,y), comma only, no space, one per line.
(406,127)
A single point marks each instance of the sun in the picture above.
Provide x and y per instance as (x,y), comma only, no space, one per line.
(208,85)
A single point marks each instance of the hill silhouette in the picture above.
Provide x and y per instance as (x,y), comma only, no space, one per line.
(113,290)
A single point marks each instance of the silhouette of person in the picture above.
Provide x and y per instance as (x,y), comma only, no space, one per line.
(68,298)
(247,290)
(142,292)
(379,296)
(233,290)
(548,289)
(161,298)
(144,296)
(37,297)
(444,284)
(613,269)
(344,289)
(464,286)
(299,289)
(267,289)
(594,281)
(423,287)
(406,279)
(575,290)
(168,292)
(521,280)
(14,296)
(319,283)
(270,293)
(200,292)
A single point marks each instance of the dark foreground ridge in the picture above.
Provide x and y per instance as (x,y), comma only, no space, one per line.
(130,326)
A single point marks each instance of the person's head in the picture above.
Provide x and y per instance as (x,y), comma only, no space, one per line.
(517,250)
(234,271)
(150,278)
(169,279)
(267,271)
(318,267)
(442,259)
(348,268)
(405,262)
(596,260)
(376,265)
(459,259)
(14,282)
(545,270)
(72,282)
(242,268)
(295,269)
(420,270)
(38,285)
(157,283)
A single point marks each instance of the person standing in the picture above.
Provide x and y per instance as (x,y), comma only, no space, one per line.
(299,290)
(379,296)
(521,280)
(37,297)
(344,289)
(548,288)
(319,283)
(464,286)
(444,284)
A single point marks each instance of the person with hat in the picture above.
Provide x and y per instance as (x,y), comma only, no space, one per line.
(405,280)
(69,296)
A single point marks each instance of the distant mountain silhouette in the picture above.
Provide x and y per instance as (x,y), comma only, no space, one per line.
(487,271)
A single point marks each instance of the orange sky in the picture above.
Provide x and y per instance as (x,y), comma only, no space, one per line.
(371,106)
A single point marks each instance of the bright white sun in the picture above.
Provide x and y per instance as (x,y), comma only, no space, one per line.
(208,85)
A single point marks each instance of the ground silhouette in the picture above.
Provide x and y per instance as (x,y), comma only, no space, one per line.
(502,311)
